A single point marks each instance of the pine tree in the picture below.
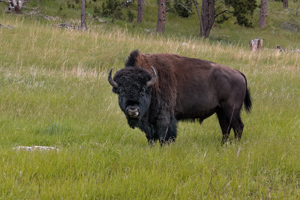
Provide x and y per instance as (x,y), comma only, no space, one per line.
(263,14)
(243,10)
(161,17)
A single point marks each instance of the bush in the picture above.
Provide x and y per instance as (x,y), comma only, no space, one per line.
(130,15)
(243,10)
(183,8)
(97,11)
(112,8)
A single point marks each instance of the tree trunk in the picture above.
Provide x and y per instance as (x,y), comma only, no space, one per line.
(161,17)
(263,13)
(83,26)
(285,3)
(140,11)
(207,17)
(199,16)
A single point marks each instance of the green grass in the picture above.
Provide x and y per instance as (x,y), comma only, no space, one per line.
(228,33)
(54,92)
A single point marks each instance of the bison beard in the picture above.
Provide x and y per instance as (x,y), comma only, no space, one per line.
(179,88)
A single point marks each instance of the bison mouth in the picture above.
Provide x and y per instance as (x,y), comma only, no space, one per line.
(133,113)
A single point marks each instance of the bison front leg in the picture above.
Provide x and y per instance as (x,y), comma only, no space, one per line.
(151,141)
(167,130)
(150,134)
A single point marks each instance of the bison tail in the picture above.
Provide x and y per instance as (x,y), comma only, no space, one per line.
(248,101)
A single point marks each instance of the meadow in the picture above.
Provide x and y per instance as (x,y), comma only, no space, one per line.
(54,92)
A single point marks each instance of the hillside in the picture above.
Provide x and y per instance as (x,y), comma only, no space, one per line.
(283,25)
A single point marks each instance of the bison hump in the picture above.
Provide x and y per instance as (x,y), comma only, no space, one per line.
(132,58)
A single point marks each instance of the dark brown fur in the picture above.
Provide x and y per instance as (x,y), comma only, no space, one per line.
(192,89)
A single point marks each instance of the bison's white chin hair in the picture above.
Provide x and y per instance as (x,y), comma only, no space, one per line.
(132,122)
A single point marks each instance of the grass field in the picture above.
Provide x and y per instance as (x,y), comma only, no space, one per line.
(54,92)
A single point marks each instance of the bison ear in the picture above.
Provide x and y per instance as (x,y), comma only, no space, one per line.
(153,79)
(111,81)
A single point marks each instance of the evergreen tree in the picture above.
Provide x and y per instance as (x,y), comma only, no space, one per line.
(183,8)
(285,3)
(140,11)
(207,17)
(243,10)
(83,25)
(112,8)
(97,12)
(263,13)
(161,16)
(130,16)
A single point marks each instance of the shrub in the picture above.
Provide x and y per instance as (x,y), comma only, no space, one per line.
(112,8)
(130,15)
(183,8)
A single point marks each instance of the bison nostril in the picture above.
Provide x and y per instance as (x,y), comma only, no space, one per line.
(133,112)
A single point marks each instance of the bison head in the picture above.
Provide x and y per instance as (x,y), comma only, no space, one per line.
(133,86)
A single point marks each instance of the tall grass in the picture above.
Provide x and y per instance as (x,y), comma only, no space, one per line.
(54,92)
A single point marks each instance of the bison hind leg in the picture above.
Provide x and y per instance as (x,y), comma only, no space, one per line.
(238,127)
(229,117)
(224,124)
(236,123)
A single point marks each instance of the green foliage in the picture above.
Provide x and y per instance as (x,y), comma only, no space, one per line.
(243,11)
(183,7)
(70,5)
(97,11)
(130,15)
(112,8)
(222,11)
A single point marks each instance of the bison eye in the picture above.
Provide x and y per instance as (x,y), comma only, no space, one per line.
(142,93)
(121,92)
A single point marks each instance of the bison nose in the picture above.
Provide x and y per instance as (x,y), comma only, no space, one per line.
(133,112)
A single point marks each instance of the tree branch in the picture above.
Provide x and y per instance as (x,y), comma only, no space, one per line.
(223,12)
(199,16)
(181,5)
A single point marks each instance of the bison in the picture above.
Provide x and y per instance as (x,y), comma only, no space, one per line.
(155,91)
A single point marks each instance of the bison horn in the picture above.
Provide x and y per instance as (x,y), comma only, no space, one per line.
(153,79)
(111,81)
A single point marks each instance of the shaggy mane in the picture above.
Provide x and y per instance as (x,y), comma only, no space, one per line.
(132,59)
